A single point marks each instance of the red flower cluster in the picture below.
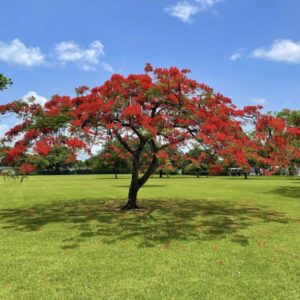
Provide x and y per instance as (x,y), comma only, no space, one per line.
(27,168)
(76,143)
(43,147)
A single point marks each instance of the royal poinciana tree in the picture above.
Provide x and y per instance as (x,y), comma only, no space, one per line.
(277,142)
(114,157)
(158,110)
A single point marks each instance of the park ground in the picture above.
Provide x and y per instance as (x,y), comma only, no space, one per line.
(62,237)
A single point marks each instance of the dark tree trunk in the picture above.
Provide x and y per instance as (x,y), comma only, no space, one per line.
(116,176)
(245,175)
(136,182)
(134,185)
(132,196)
(160,173)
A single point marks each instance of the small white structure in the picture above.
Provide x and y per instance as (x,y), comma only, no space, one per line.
(235,171)
(7,171)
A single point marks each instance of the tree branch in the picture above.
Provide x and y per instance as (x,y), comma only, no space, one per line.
(123,143)
(149,171)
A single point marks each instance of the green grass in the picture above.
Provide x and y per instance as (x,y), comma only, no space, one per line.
(61,237)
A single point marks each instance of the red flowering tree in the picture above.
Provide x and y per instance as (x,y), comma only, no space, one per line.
(113,157)
(170,160)
(278,141)
(201,161)
(160,109)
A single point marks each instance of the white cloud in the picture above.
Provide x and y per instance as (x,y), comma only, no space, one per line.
(235,56)
(86,59)
(259,101)
(107,67)
(204,4)
(280,51)
(17,53)
(32,96)
(183,11)
(3,129)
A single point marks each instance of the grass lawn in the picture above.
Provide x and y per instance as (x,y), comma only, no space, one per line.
(197,238)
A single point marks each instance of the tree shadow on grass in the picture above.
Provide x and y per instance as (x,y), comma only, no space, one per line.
(145,186)
(288,191)
(260,178)
(112,178)
(162,222)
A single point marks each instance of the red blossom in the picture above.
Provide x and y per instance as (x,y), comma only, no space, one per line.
(148,68)
(43,147)
(76,143)
(27,168)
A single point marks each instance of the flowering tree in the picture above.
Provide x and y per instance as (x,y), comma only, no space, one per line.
(170,160)
(291,117)
(160,109)
(201,161)
(278,140)
(113,157)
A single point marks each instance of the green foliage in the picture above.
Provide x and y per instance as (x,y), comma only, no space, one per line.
(195,165)
(55,162)
(4,82)
(112,164)
(291,116)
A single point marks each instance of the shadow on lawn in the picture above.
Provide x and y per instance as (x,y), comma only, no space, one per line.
(145,186)
(165,220)
(162,222)
(260,178)
(288,191)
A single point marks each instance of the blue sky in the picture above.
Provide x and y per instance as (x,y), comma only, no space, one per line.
(248,50)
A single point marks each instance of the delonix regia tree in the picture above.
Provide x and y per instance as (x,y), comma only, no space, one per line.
(114,157)
(277,141)
(158,110)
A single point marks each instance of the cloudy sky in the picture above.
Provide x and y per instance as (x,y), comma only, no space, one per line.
(248,50)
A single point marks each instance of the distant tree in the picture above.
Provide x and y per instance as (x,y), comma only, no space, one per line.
(54,159)
(113,158)
(278,141)
(201,161)
(168,160)
(4,82)
(292,117)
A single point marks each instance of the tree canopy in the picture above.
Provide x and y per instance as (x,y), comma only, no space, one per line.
(160,110)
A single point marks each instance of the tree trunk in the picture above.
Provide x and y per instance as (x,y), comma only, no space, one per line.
(160,173)
(116,176)
(136,182)
(134,186)
(245,175)
(132,196)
